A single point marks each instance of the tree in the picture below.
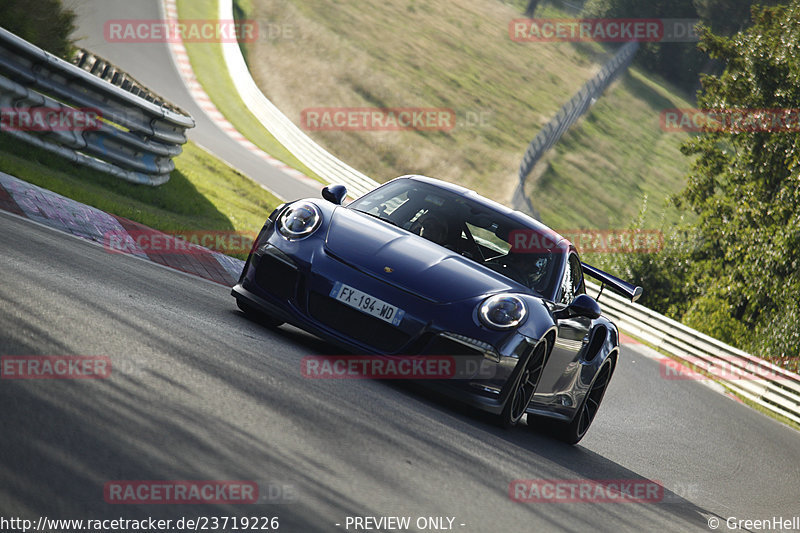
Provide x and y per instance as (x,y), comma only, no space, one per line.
(745,188)
(734,273)
(680,63)
(726,17)
(45,23)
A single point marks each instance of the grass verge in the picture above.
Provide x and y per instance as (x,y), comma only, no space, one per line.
(460,56)
(211,71)
(203,193)
(616,156)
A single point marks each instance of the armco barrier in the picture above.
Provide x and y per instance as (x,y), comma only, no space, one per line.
(138,135)
(566,117)
(771,387)
(104,69)
(284,130)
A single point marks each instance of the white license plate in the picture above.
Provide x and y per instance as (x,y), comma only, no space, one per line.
(367,304)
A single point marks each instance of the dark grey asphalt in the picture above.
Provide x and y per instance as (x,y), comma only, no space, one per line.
(151,64)
(200,392)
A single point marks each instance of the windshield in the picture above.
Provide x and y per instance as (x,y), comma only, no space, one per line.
(469,228)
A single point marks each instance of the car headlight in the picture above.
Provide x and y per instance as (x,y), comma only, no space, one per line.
(502,311)
(299,220)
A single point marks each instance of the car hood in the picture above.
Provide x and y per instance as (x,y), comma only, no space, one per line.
(408,261)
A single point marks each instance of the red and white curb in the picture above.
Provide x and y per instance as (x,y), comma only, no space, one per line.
(184,67)
(89,223)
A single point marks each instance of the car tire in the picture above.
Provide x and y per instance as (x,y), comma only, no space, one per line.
(258,316)
(525,384)
(573,432)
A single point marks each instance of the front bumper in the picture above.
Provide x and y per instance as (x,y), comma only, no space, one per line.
(293,281)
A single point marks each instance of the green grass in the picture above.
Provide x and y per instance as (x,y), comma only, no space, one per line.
(616,155)
(211,71)
(459,56)
(203,193)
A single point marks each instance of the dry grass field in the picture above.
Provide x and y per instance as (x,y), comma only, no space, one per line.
(458,56)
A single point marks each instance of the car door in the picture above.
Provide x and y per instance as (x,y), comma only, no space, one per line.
(563,368)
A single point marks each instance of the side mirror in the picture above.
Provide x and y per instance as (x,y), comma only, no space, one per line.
(335,193)
(582,305)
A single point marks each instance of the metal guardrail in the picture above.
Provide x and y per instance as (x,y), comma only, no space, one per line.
(284,130)
(758,380)
(566,117)
(138,134)
(105,69)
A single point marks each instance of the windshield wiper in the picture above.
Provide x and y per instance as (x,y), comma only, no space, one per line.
(392,222)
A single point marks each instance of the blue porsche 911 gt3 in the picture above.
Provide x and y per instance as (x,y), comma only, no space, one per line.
(420,267)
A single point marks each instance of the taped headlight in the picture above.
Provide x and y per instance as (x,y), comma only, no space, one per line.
(299,220)
(502,311)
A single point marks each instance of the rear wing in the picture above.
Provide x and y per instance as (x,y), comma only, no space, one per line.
(623,288)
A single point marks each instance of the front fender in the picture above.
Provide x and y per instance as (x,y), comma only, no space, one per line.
(540,319)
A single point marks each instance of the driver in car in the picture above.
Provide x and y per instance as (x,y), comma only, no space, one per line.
(433,228)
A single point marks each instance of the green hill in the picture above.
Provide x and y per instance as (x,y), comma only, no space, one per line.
(459,56)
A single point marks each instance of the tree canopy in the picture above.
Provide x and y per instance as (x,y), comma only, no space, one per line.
(678,62)
(745,186)
(45,23)
(734,273)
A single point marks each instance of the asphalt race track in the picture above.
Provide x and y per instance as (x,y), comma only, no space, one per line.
(151,64)
(199,392)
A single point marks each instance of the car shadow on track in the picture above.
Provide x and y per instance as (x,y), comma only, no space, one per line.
(521,445)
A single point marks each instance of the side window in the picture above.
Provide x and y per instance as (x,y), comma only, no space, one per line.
(572,285)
